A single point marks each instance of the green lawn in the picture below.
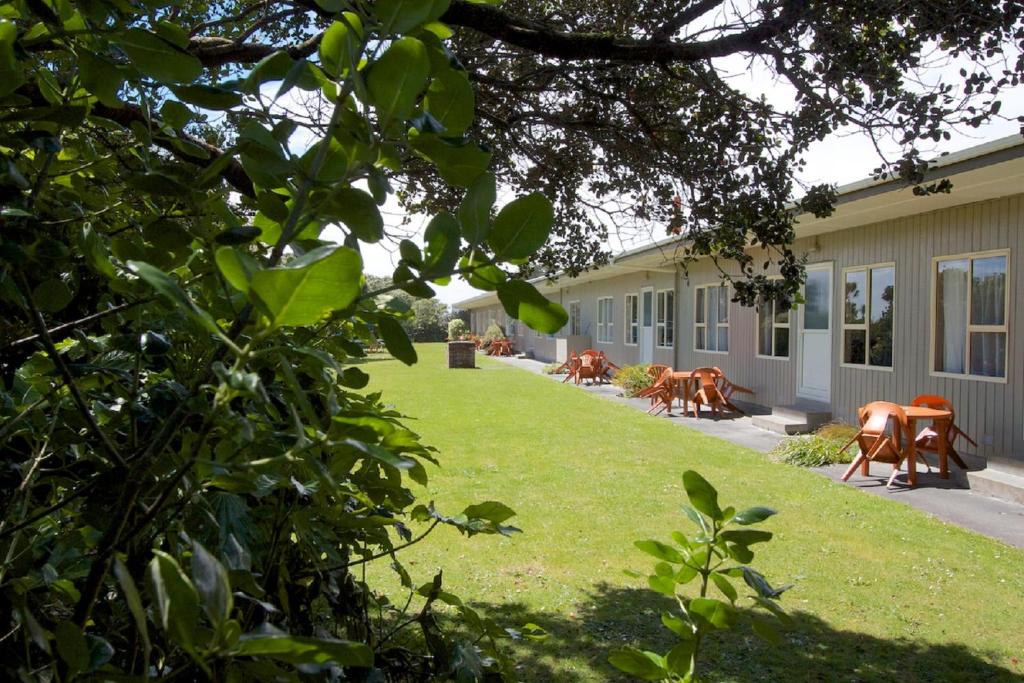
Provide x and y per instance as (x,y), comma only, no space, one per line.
(883,592)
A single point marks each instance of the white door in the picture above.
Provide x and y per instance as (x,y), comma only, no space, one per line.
(646,326)
(815,325)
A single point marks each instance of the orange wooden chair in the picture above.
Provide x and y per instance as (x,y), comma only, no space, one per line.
(661,393)
(708,392)
(882,427)
(589,368)
(655,371)
(727,389)
(928,439)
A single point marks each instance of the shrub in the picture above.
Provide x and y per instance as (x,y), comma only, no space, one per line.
(633,379)
(554,369)
(493,332)
(818,449)
(717,556)
(457,328)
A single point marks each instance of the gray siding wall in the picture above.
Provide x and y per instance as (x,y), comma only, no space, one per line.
(991,412)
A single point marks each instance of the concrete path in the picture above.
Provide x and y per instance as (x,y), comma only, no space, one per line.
(947,499)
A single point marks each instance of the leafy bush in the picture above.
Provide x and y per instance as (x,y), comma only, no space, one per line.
(554,369)
(194,477)
(818,449)
(633,379)
(457,328)
(493,332)
(716,555)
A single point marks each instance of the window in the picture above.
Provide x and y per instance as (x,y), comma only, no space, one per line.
(868,296)
(711,318)
(631,320)
(970,311)
(574,318)
(773,328)
(604,320)
(665,319)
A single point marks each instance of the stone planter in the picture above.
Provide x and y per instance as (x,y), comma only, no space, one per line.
(461,354)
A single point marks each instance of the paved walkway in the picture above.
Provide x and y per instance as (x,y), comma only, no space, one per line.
(948,499)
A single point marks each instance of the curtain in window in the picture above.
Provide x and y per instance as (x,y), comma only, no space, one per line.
(951,316)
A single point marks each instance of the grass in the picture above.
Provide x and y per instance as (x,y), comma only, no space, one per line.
(883,592)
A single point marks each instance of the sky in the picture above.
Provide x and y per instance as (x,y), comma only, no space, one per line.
(839,159)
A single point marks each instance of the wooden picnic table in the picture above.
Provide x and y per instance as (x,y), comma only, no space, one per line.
(500,347)
(940,419)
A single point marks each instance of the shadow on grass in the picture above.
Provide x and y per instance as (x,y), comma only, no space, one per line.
(579,643)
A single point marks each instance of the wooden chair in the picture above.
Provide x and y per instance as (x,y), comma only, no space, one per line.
(661,393)
(606,368)
(708,392)
(928,438)
(589,368)
(727,389)
(882,428)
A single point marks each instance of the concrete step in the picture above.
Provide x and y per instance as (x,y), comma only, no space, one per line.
(781,425)
(997,484)
(809,412)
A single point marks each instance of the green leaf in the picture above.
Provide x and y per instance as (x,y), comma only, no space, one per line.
(71,646)
(11,74)
(167,288)
(396,340)
(339,42)
(660,551)
(522,301)
(745,536)
(492,511)
(702,495)
(208,96)
(521,227)
(304,650)
(673,623)
(100,76)
(724,585)
(176,600)
(211,582)
(450,99)
(396,80)
(662,584)
(441,247)
(134,601)
(306,289)
(458,162)
(753,515)
(680,658)
(236,266)
(646,666)
(52,295)
(157,58)
(359,212)
(475,209)
(714,613)
(399,16)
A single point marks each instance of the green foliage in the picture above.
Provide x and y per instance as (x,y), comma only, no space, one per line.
(554,368)
(493,332)
(457,328)
(195,473)
(818,449)
(633,379)
(716,556)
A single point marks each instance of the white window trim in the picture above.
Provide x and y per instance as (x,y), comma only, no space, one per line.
(788,324)
(705,323)
(579,318)
(866,325)
(669,311)
(1004,328)
(607,325)
(627,320)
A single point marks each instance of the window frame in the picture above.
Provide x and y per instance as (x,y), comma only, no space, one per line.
(970,327)
(727,324)
(669,323)
(608,326)
(789,329)
(578,330)
(628,323)
(866,325)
